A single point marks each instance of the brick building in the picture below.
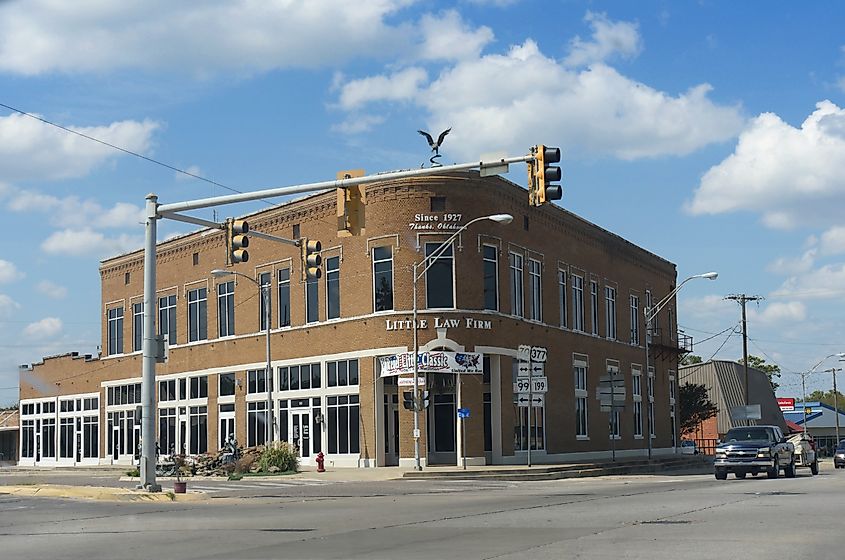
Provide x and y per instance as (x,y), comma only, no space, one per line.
(547,279)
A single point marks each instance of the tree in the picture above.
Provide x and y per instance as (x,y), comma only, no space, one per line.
(827,397)
(695,407)
(690,359)
(771,370)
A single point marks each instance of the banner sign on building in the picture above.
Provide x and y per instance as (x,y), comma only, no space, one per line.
(786,404)
(432,362)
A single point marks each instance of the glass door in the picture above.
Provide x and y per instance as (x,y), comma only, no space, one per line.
(391,429)
(300,432)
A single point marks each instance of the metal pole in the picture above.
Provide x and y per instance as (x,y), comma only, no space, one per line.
(648,396)
(417,465)
(612,417)
(835,405)
(271,421)
(530,403)
(745,356)
(148,371)
(804,401)
(462,426)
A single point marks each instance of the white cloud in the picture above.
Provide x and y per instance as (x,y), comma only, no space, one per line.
(7,306)
(609,38)
(45,328)
(791,176)
(778,312)
(51,289)
(826,282)
(791,266)
(70,211)
(9,272)
(41,36)
(87,242)
(448,38)
(833,241)
(192,169)
(33,150)
(400,86)
(356,124)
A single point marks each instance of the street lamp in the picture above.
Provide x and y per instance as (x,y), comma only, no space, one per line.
(265,293)
(841,356)
(426,263)
(650,314)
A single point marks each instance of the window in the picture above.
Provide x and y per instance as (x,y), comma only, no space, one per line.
(579,370)
(561,287)
(115,320)
(123,394)
(635,320)
(90,437)
(517,296)
(438,203)
(199,387)
(284,297)
(167,390)
(333,287)
(637,397)
(439,283)
(226,308)
(256,381)
(226,385)
(491,277)
(66,437)
(227,424)
(199,429)
(535,286)
(167,431)
(264,303)
(167,318)
(343,420)
(312,293)
(197,315)
(383,278)
(577,303)
(671,324)
(594,307)
(342,373)
(48,438)
(610,311)
(28,438)
(137,326)
(256,423)
(305,376)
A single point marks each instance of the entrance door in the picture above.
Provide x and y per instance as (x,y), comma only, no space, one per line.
(115,441)
(391,429)
(442,421)
(299,432)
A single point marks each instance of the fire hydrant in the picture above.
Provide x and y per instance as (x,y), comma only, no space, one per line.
(320,459)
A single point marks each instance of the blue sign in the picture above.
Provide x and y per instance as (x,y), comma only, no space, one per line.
(463,413)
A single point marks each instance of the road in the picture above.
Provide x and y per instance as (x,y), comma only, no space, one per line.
(642,517)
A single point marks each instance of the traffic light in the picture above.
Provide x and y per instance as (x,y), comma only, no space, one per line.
(351,204)
(311,259)
(237,240)
(541,174)
(408,400)
(425,399)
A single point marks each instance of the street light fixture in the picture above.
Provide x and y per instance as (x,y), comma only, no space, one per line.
(426,263)
(650,314)
(841,356)
(265,293)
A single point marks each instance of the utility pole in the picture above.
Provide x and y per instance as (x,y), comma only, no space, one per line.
(835,401)
(742,298)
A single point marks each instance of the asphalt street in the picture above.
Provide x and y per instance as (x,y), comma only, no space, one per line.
(650,517)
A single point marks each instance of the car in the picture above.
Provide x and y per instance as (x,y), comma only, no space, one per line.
(754,449)
(839,456)
(688,447)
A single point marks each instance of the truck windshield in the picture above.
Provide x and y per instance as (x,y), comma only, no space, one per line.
(747,434)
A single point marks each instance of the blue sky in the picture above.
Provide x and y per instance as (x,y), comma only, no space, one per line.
(711,133)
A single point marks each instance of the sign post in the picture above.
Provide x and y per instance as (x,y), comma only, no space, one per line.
(463,414)
(530,380)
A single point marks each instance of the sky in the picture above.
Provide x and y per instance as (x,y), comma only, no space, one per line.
(711,133)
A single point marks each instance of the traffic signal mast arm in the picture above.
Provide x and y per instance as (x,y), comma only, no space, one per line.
(222,226)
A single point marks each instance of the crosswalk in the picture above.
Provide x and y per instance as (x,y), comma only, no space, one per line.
(241,485)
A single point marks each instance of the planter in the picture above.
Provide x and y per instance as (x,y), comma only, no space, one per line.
(180,487)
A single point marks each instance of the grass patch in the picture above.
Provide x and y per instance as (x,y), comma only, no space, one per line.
(136,472)
(172,496)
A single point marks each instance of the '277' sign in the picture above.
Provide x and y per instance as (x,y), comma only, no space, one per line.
(432,362)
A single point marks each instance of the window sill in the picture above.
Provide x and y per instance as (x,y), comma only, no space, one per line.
(582,438)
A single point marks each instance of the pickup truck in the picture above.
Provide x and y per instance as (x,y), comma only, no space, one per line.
(753,449)
(805,451)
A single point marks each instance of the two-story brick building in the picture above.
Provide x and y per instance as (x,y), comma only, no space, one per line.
(548,279)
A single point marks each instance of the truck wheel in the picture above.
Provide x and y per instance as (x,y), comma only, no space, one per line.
(789,470)
(774,472)
(814,468)
(721,474)
(740,474)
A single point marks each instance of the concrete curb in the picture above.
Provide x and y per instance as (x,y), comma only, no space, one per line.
(99,493)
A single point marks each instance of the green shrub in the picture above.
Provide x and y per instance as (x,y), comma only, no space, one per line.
(281,455)
(136,472)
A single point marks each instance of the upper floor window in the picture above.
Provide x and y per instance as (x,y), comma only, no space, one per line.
(383,278)
(115,324)
(610,311)
(197,314)
(635,320)
(439,278)
(226,308)
(491,277)
(167,318)
(333,287)
(312,294)
(561,285)
(264,305)
(577,303)
(649,303)
(137,326)
(517,289)
(226,387)
(284,297)
(256,381)
(199,387)
(305,376)
(342,373)
(535,286)
(594,307)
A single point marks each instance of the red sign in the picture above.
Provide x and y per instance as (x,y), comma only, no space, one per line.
(786,404)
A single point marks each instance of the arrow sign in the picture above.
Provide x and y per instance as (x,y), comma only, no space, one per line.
(538,370)
(523,369)
(522,400)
